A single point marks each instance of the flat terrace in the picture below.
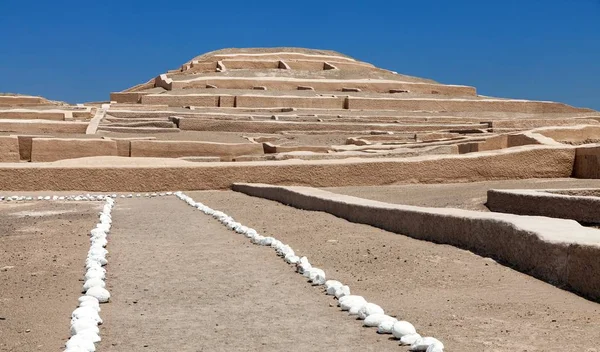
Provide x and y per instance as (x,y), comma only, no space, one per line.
(251,99)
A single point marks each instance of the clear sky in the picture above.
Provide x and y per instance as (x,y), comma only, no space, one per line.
(80,51)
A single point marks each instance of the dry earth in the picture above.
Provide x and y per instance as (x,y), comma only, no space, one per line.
(471,195)
(42,250)
(470,302)
(180,281)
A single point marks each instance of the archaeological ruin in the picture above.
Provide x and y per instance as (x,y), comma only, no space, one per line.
(441,218)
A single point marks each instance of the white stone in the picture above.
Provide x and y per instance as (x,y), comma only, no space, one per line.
(402,328)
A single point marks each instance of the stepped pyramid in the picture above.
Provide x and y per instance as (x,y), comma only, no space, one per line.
(324,83)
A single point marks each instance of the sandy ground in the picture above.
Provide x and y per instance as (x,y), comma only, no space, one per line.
(469,302)
(42,250)
(180,281)
(472,195)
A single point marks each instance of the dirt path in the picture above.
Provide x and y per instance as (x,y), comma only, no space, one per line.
(471,303)
(180,281)
(42,251)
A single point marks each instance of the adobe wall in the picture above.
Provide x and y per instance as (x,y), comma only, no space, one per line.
(202,67)
(292,84)
(52,149)
(535,123)
(127,97)
(271,148)
(264,126)
(25,145)
(42,126)
(571,134)
(464,105)
(259,101)
(561,252)
(587,162)
(10,100)
(182,100)
(498,142)
(251,64)
(527,138)
(539,202)
(282,55)
(178,149)
(143,175)
(34,115)
(306,65)
(227,101)
(9,149)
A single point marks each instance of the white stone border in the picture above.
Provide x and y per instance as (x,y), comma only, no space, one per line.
(85,318)
(82,197)
(371,314)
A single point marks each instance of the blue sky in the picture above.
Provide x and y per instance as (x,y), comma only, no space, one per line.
(80,51)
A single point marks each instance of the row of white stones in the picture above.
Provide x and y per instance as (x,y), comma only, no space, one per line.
(83,197)
(86,318)
(371,314)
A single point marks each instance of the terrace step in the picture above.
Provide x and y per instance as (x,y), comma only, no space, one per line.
(137,129)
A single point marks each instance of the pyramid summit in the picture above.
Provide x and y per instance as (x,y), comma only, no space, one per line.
(305,78)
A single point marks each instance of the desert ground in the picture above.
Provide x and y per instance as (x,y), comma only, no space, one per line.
(42,250)
(182,281)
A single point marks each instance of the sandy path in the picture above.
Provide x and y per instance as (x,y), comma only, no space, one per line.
(471,303)
(42,251)
(181,282)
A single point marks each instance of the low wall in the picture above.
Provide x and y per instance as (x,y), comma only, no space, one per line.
(278,84)
(535,123)
(9,149)
(498,142)
(227,101)
(571,134)
(42,127)
(258,126)
(178,149)
(540,202)
(145,175)
(251,64)
(25,145)
(281,55)
(34,115)
(19,100)
(561,252)
(127,97)
(272,148)
(52,149)
(199,66)
(182,100)
(587,162)
(464,105)
(317,102)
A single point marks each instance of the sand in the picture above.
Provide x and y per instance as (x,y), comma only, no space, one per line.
(195,286)
(41,263)
(471,195)
(471,303)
